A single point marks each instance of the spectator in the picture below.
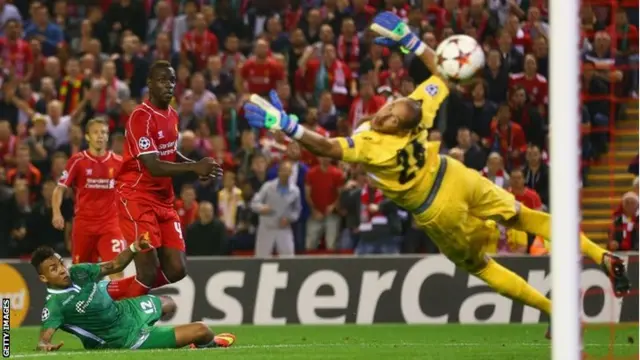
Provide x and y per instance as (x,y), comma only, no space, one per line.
(327,112)
(131,67)
(377,228)
(198,44)
(367,103)
(328,74)
(48,33)
(512,59)
(483,111)
(57,167)
(229,200)
(220,154)
(25,170)
(16,52)
(40,230)
(247,151)
(311,123)
(473,156)
(258,174)
(527,116)
(8,12)
(278,204)
(260,74)
(536,174)
(507,138)
(73,88)
(533,83)
(207,235)
(624,230)
(278,39)
(57,124)
(187,207)
(41,143)
(233,58)
(457,153)
(322,187)
(495,171)
(497,77)
(526,196)
(127,15)
(162,23)
(8,144)
(541,53)
(162,50)
(220,83)
(18,220)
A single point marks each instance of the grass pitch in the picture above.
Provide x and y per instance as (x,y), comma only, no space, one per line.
(401,342)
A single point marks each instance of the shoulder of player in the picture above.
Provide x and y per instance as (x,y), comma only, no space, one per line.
(115,157)
(141,111)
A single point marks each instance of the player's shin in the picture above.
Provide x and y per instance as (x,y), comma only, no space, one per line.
(513,286)
(539,223)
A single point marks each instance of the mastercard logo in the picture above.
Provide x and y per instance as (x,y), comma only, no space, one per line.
(14,287)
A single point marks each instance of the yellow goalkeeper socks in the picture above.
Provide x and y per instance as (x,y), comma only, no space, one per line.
(539,223)
(509,284)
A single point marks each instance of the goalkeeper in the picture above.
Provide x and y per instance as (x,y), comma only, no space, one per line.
(78,303)
(454,205)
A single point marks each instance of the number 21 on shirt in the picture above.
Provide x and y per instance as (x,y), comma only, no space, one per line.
(410,159)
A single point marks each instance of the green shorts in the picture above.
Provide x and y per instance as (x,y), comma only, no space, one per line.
(143,312)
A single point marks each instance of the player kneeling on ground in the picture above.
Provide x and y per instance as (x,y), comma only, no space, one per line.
(78,303)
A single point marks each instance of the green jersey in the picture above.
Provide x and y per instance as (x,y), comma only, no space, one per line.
(86,310)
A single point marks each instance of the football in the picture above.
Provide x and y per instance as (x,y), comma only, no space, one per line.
(459,57)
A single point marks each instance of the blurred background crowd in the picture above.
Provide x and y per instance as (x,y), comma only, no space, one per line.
(65,62)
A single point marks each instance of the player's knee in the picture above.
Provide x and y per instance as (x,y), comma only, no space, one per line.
(202,330)
(176,273)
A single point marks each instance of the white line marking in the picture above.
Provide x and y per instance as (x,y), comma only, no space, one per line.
(294,346)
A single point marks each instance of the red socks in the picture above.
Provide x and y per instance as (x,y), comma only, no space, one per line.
(131,287)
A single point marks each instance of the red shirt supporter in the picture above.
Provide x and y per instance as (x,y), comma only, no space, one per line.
(523,194)
(187,214)
(149,130)
(94,181)
(8,144)
(366,104)
(15,53)
(392,77)
(324,182)
(261,73)
(507,137)
(533,83)
(328,74)
(200,43)
(306,156)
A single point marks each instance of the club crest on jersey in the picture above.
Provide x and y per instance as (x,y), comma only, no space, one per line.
(64,176)
(432,89)
(111,172)
(89,172)
(144,143)
(45,314)
(160,135)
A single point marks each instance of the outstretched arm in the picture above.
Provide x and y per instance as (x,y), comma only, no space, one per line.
(320,145)
(44,344)
(124,258)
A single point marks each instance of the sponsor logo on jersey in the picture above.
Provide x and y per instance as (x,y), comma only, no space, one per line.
(14,287)
(144,143)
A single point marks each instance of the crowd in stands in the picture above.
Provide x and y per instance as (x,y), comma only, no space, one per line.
(65,62)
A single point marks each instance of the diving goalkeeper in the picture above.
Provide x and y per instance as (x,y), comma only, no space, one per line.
(454,205)
(78,303)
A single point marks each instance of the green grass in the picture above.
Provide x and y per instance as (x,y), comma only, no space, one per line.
(398,342)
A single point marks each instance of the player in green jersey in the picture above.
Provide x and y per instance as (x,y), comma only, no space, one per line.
(78,303)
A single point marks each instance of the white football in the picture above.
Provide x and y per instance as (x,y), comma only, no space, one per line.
(459,57)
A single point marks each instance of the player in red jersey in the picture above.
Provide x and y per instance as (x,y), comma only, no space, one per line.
(95,235)
(145,187)
(16,52)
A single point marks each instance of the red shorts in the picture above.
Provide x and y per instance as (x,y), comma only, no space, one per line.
(91,242)
(161,223)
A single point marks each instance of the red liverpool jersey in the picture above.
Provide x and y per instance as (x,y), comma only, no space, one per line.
(93,179)
(260,77)
(149,130)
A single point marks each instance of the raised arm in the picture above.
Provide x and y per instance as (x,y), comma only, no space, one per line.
(124,258)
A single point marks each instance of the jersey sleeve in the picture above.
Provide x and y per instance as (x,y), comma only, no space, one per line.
(139,134)
(52,317)
(82,274)
(70,173)
(432,92)
(360,147)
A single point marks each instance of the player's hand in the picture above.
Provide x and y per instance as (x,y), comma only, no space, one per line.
(143,242)
(284,222)
(57,221)
(206,167)
(42,346)
(393,32)
(316,215)
(270,115)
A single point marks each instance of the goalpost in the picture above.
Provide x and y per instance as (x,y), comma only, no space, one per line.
(564,67)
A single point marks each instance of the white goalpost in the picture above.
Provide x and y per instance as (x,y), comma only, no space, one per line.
(564,67)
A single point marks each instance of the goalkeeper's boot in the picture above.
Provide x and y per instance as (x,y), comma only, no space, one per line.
(221,340)
(617,271)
